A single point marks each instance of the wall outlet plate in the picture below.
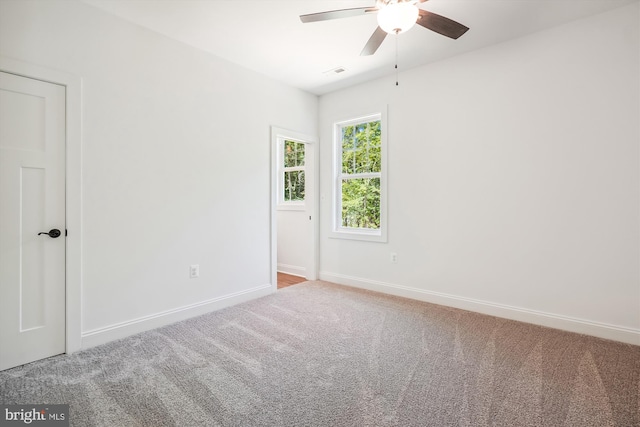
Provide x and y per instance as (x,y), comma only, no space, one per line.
(194,271)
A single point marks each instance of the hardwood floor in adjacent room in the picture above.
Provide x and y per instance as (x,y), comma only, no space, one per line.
(285,280)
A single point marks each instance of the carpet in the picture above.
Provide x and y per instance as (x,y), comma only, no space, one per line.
(319,354)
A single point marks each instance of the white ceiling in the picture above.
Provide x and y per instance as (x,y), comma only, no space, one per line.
(267,35)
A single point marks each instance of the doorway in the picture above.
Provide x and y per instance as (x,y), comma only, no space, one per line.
(294,219)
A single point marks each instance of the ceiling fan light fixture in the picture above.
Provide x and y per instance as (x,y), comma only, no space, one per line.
(396,18)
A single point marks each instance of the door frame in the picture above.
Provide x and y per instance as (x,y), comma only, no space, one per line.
(73,188)
(311,181)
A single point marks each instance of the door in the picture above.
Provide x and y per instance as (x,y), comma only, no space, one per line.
(32,202)
(294,229)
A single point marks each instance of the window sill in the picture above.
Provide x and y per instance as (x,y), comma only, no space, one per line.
(359,234)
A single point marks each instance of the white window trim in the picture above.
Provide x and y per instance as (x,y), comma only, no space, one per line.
(365,234)
(282,205)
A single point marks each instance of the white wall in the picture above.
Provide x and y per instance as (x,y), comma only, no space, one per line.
(293,242)
(513,180)
(176,158)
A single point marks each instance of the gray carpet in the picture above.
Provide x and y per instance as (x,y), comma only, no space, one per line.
(318,354)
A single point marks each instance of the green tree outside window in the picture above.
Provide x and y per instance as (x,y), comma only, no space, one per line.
(360,175)
(293,162)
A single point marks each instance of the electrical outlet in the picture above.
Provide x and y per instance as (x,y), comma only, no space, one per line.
(194,271)
(394,257)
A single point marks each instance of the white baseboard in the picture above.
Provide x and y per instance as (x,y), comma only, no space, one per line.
(106,334)
(601,330)
(294,270)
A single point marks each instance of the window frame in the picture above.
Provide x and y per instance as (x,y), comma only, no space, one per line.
(365,234)
(282,204)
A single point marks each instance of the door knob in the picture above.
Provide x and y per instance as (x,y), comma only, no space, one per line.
(53,233)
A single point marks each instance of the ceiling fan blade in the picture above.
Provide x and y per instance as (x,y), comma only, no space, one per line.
(374,42)
(441,25)
(336,14)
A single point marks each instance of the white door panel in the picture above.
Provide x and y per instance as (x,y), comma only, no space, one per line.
(32,200)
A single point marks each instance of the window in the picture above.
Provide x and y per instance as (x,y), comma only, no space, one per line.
(359,176)
(292,169)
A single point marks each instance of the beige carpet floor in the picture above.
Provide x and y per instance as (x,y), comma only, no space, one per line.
(319,354)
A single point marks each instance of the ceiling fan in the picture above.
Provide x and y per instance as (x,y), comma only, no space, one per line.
(394,17)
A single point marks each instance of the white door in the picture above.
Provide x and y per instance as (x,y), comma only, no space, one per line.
(310,188)
(32,201)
